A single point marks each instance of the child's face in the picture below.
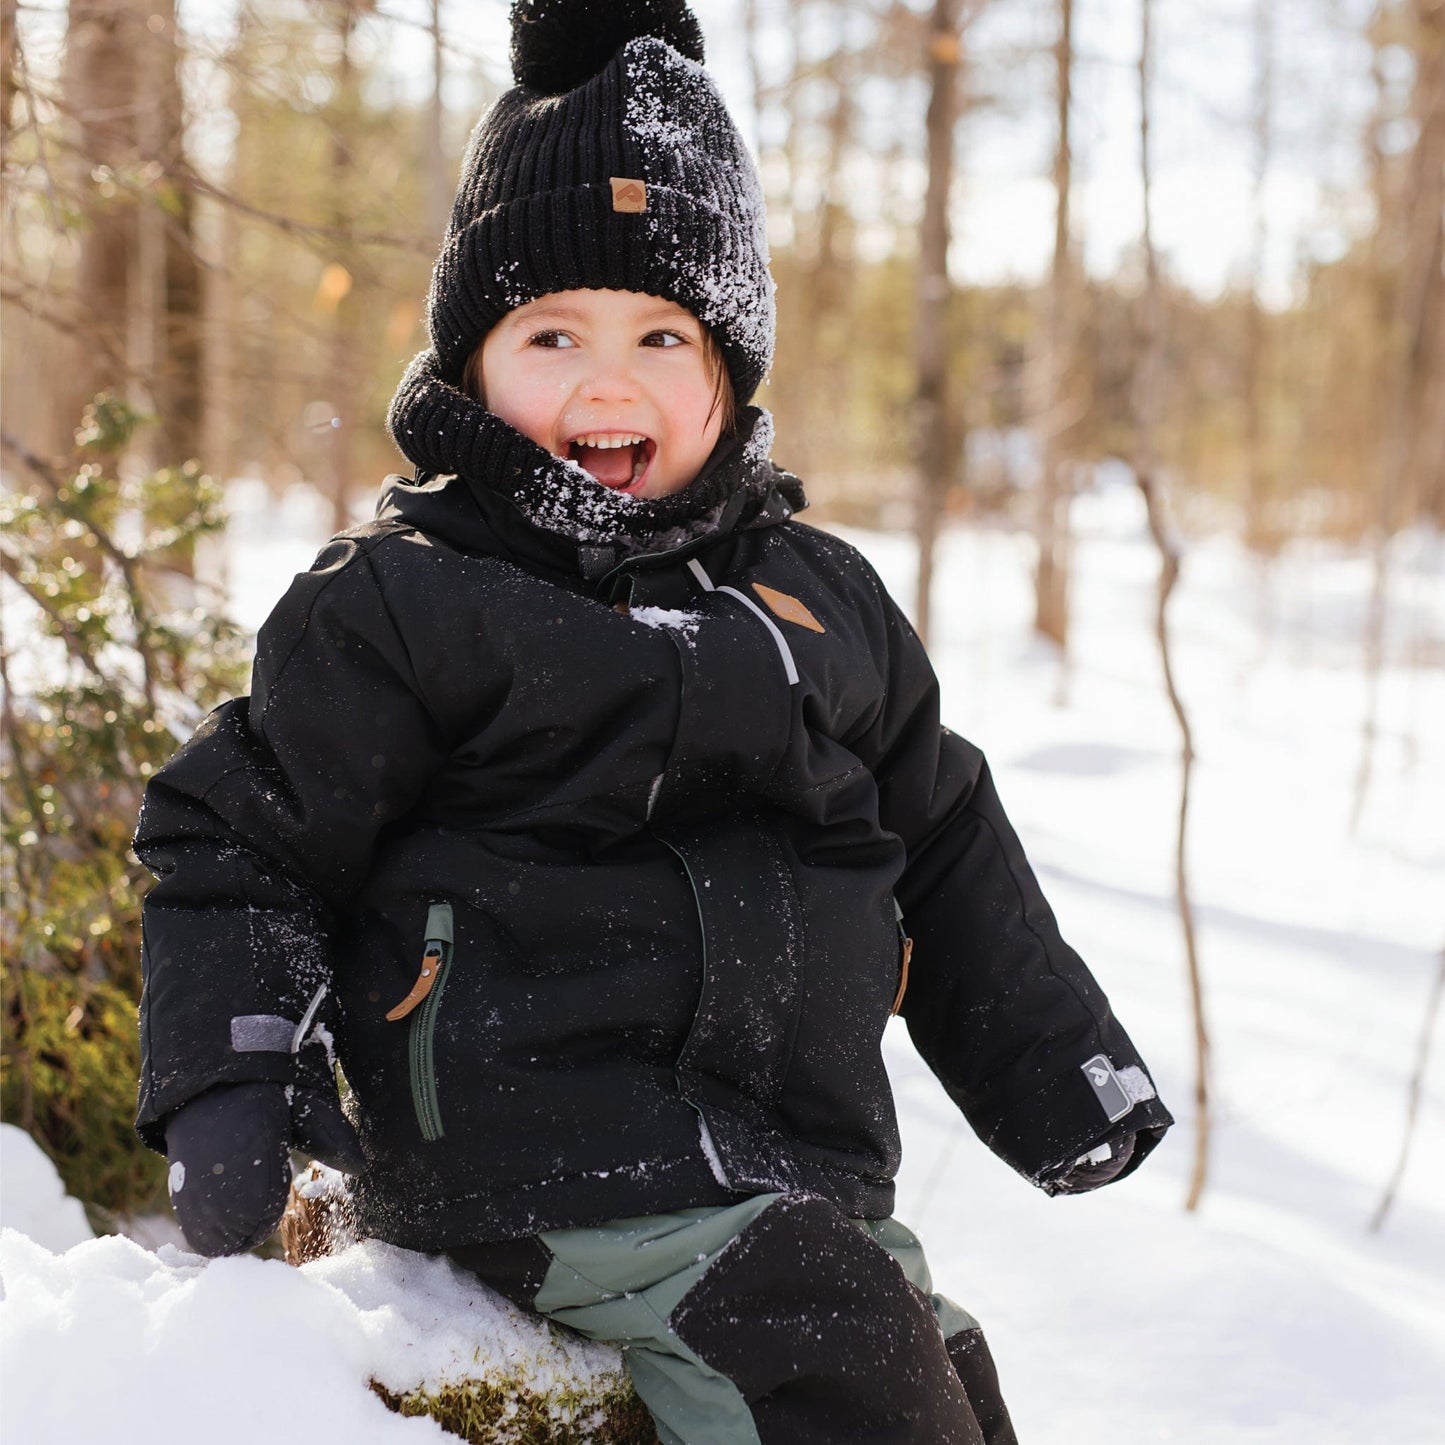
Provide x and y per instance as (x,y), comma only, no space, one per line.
(615,380)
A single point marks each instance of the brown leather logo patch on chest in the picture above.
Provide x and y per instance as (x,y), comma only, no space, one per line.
(628,194)
(788,608)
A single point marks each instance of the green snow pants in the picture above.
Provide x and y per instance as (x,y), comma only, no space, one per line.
(775,1321)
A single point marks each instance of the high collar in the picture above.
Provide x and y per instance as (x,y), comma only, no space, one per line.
(484,486)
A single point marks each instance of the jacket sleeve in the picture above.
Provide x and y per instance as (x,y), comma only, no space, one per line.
(261,829)
(998,1005)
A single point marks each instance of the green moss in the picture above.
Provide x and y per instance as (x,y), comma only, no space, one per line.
(503,1411)
(69,1057)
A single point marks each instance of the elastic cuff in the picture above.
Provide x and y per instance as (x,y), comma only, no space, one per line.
(160,1100)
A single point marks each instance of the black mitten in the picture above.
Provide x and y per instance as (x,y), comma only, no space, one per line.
(1100,1166)
(320,1129)
(230,1155)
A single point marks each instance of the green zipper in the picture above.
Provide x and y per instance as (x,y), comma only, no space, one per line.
(422,1037)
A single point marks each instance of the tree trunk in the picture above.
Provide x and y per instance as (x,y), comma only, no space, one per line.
(9,58)
(1146,409)
(1411,242)
(439,182)
(752,46)
(342,366)
(1424,280)
(101,61)
(1260,530)
(1051,603)
(218,353)
(223,347)
(178,319)
(137,279)
(935,450)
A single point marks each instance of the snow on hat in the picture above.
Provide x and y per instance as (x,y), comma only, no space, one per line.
(613,164)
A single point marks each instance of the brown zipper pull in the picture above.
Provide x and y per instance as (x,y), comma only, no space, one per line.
(903,976)
(430,966)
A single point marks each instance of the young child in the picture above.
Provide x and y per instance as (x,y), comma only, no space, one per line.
(595,814)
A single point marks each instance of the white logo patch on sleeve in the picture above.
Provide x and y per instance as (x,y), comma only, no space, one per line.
(1113,1098)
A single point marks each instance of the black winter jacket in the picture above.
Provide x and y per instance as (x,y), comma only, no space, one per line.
(634,840)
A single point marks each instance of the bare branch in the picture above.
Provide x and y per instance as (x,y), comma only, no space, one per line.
(129,565)
(1145,469)
(1412,1106)
(67,634)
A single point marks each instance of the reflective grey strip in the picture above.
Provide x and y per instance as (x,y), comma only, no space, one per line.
(306,1019)
(791,667)
(262,1034)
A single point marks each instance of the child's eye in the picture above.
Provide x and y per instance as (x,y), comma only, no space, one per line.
(664,338)
(550,338)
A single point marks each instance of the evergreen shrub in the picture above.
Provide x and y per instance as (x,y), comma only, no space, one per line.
(109,657)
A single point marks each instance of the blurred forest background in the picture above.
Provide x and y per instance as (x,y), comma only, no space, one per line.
(986,217)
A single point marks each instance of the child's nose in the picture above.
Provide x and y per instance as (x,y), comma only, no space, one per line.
(610,379)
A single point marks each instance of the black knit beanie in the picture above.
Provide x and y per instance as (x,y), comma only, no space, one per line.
(613,164)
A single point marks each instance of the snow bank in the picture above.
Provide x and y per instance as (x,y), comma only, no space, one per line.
(106,1339)
(32,1198)
(110,1341)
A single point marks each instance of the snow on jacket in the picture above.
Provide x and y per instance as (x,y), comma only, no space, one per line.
(627,845)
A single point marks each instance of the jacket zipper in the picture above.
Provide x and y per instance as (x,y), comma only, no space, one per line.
(702,930)
(422,1004)
(658,561)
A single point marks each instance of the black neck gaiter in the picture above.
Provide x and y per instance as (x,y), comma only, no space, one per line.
(444,431)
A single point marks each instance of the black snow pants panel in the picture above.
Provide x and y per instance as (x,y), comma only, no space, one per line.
(777,1321)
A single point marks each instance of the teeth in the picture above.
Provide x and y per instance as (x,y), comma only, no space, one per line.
(606,440)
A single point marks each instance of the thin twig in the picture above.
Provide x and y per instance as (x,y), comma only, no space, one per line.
(1146,409)
(1412,1106)
(93,336)
(1168,576)
(181,172)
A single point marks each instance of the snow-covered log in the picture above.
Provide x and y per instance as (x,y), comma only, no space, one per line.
(226,1348)
(482,1370)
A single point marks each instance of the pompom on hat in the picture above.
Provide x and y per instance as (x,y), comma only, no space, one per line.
(612,164)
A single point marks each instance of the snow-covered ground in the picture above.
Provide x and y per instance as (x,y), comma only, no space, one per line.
(1272,1316)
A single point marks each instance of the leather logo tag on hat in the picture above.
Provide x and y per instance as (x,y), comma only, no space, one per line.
(628,195)
(788,608)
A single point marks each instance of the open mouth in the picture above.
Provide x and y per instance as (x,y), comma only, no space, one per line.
(619,460)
